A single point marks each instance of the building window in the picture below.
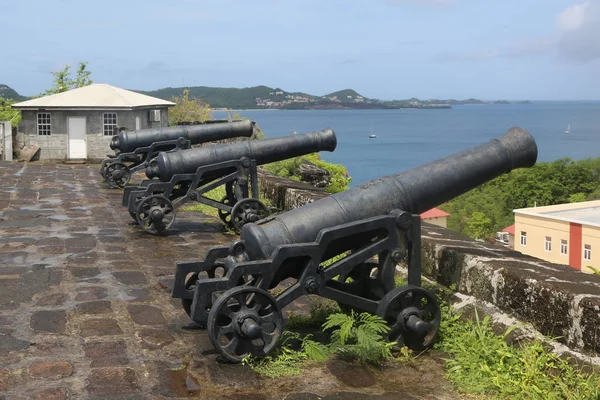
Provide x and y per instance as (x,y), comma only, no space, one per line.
(563,246)
(43,124)
(109,121)
(548,243)
(523,238)
(587,252)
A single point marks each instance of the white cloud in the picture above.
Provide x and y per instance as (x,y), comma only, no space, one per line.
(579,26)
(572,18)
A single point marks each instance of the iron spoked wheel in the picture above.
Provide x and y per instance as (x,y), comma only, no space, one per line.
(360,282)
(117,175)
(225,216)
(413,315)
(245,320)
(247,210)
(155,214)
(190,284)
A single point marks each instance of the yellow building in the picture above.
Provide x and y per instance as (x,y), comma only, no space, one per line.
(563,233)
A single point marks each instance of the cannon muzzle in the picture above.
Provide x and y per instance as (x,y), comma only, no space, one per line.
(262,151)
(414,191)
(128,141)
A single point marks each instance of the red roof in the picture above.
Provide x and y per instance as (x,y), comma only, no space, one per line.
(434,213)
(509,229)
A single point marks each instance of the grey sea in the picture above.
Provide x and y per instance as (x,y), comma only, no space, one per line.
(409,137)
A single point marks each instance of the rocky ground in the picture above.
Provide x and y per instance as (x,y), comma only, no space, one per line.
(86,312)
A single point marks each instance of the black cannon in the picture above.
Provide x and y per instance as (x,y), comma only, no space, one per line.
(344,247)
(189,174)
(137,148)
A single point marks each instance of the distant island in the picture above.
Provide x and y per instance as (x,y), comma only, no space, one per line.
(264,97)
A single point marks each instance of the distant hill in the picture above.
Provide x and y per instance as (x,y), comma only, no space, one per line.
(9,93)
(258,97)
(344,94)
(263,97)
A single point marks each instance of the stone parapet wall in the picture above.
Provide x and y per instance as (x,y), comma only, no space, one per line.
(559,301)
(286,194)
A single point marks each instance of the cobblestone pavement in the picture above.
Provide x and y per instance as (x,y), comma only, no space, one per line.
(86,312)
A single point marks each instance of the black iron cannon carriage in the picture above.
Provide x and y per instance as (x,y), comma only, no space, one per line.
(137,148)
(366,231)
(189,175)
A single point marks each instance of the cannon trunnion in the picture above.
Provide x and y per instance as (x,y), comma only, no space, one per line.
(344,247)
(188,175)
(137,148)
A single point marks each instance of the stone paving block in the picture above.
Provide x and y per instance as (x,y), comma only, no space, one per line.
(88,293)
(100,327)
(130,277)
(83,272)
(112,381)
(50,299)
(4,379)
(59,393)
(94,307)
(53,370)
(173,382)
(137,295)
(106,354)
(154,338)
(145,315)
(49,321)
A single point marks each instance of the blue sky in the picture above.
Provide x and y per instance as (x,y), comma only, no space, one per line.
(386,49)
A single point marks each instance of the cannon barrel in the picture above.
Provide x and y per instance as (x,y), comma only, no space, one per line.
(262,151)
(128,141)
(415,191)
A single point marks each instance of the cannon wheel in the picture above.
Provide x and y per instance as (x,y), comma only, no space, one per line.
(190,283)
(247,210)
(155,214)
(117,175)
(226,215)
(362,283)
(245,320)
(413,315)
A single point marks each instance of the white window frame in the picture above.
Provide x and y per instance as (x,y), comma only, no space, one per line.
(587,252)
(523,238)
(46,125)
(564,246)
(548,243)
(109,127)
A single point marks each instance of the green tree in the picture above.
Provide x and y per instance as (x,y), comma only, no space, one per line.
(7,113)
(479,226)
(188,110)
(546,183)
(577,197)
(83,76)
(62,81)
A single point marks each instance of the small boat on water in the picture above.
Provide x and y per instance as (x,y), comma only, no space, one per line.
(372,135)
(568,129)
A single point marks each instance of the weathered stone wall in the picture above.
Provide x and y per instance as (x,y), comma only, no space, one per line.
(286,194)
(557,300)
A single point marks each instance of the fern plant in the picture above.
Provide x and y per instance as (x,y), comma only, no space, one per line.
(288,358)
(359,337)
